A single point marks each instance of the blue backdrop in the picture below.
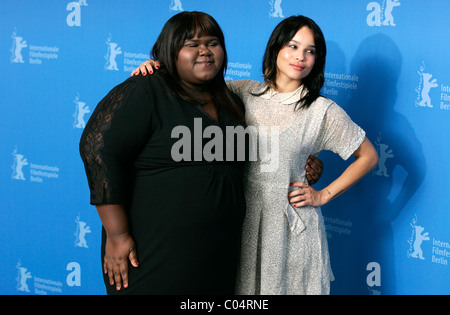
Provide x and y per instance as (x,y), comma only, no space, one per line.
(387,66)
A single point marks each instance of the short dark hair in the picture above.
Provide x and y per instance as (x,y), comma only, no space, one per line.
(183,26)
(281,36)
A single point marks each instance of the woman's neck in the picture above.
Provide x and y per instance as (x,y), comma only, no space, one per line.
(286,86)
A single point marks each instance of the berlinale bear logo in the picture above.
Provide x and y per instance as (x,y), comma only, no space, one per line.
(381,14)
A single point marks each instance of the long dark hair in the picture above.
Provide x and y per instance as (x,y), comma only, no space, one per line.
(281,36)
(183,26)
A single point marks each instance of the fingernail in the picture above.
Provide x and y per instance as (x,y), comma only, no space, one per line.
(291,184)
(143,73)
(151,72)
(157,67)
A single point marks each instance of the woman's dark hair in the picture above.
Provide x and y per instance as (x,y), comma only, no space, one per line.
(181,27)
(281,36)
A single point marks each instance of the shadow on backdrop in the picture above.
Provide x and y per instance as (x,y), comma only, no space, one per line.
(375,202)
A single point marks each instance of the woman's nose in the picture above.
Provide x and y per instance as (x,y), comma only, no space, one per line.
(204,50)
(301,56)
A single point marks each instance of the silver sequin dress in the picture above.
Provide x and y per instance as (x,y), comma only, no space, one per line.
(285,249)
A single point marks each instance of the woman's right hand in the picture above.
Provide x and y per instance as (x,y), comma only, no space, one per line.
(119,249)
(146,67)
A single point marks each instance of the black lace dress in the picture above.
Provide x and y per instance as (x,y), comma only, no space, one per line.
(185,216)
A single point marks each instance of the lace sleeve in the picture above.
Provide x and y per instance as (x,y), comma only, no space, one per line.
(113,136)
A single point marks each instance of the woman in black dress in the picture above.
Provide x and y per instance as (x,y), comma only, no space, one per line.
(171,217)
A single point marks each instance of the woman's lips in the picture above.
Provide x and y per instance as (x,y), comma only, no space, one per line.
(298,67)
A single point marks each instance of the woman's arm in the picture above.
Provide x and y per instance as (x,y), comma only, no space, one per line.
(112,139)
(120,246)
(366,160)
(314,166)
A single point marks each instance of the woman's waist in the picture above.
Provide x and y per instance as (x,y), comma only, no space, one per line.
(165,169)
(277,180)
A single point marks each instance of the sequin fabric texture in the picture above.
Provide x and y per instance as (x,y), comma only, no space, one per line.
(284,249)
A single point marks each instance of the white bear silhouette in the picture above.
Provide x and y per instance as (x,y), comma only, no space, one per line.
(19,163)
(82,109)
(388,12)
(176,5)
(418,253)
(19,44)
(114,50)
(277,10)
(427,85)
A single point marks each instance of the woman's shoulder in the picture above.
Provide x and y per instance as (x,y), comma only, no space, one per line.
(322,103)
(153,86)
(147,81)
(325,101)
(331,109)
(138,89)
(244,86)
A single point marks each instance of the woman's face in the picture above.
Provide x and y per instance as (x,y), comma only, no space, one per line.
(296,60)
(199,60)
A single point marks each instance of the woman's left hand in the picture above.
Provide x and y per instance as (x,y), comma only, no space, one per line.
(306,195)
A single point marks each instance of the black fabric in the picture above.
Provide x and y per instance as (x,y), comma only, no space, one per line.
(185,216)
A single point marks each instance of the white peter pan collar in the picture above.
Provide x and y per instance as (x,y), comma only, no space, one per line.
(283,98)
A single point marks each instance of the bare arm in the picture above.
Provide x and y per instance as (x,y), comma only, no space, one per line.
(366,160)
(120,246)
